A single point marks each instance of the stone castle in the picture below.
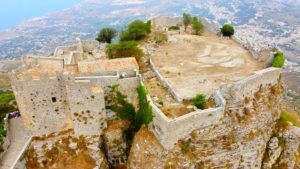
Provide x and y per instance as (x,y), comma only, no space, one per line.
(68,89)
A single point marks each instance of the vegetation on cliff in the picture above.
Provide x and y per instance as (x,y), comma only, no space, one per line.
(292,119)
(197,26)
(136,30)
(227,30)
(173,28)
(187,20)
(126,111)
(123,50)
(5,107)
(106,35)
(278,60)
(199,101)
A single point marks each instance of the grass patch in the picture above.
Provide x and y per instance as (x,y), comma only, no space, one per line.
(293,119)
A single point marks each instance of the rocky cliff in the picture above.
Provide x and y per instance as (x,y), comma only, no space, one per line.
(251,136)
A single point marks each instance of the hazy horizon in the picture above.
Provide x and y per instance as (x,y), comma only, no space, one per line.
(14,12)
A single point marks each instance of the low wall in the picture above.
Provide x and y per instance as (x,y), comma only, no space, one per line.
(169,131)
(63,48)
(6,141)
(247,87)
(20,162)
(164,82)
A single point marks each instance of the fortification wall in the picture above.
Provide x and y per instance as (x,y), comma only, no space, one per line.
(87,107)
(164,82)
(6,141)
(43,103)
(89,45)
(60,50)
(126,85)
(247,87)
(165,22)
(169,131)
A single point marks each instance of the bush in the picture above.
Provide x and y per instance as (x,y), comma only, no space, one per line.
(173,28)
(123,50)
(197,26)
(187,20)
(227,30)
(145,113)
(125,110)
(137,30)
(120,105)
(106,35)
(159,36)
(278,60)
(199,101)
(5,107)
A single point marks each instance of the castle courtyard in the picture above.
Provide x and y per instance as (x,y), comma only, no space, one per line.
(200,64)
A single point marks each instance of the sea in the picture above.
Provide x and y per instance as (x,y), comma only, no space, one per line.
(14,12)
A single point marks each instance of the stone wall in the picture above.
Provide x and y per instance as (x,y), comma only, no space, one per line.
(159,23)
(164,82)
(6,141)
(169,131)
(43,103)
(89,45)
(87,107)
(61,49)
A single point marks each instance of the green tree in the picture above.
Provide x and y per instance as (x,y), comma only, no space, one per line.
(278,60)
(106,35)
(199,101)
(149,26)
(137,30)
(173,28)
(125,110)
(145,113)
(197,26)
(123,50)
(120,105)
(187,20)
(227,30)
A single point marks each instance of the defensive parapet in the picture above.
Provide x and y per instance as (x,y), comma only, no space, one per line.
(169,131)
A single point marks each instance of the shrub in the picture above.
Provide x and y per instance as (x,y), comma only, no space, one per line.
(159,36)
(187,20)
(227,30)
(137,30)
(199,101)
(173,28)
(5,107)
(126,111)
(291,118)
(144,114)
(120,105)
(106,35)
(149,26)
(123,50)
(278,60)
(197,26)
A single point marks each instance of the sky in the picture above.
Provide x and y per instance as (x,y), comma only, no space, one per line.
(13,12)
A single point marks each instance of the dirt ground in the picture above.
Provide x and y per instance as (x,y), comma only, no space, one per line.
(200,64)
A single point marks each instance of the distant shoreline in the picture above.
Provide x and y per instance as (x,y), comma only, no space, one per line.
(31,9)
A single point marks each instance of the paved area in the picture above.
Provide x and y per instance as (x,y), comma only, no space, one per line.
(18,137)
(200,64)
